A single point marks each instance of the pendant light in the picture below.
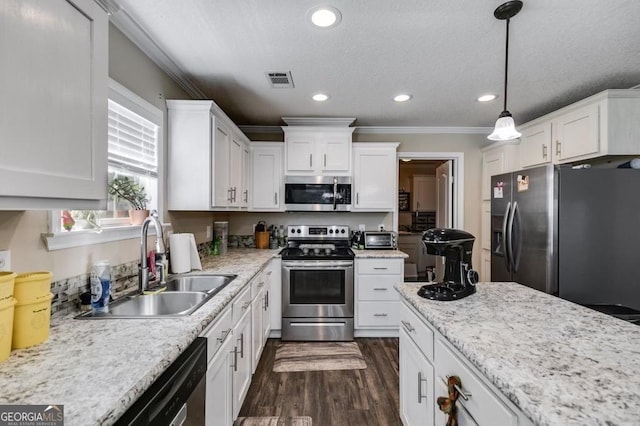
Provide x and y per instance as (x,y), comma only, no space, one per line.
(505,129)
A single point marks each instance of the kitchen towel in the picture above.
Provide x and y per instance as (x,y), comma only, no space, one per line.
(184,254)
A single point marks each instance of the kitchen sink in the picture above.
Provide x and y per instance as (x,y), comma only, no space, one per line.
(183,295)
(207,283)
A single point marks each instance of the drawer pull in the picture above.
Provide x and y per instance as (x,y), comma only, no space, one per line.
(245,305)
(464,395)
(380,268)
(380,289)
(224,335)
(261,284)
(408,326)
(420,380)
(380,315)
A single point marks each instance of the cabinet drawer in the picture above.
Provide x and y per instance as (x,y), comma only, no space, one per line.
(378,287)
(417,330)
(378,314)
(483,404)
(218,332)
(260,281)
(380,266)
(241,304)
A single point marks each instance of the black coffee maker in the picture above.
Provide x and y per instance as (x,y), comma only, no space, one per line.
(459,279)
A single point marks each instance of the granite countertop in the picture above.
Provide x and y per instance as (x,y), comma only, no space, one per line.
(561,363)
(374,254)
(98,368)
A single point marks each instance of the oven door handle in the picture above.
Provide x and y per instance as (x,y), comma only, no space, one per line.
(310,264)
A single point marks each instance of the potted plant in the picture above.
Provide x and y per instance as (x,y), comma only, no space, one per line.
(125,188)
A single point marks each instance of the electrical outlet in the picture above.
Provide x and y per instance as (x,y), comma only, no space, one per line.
(381,227)
(5,260)
(209,232)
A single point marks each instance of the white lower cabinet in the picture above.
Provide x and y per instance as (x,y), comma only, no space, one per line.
(377,302)
(242,350)
(426,360)
(260,314)
(416,384)
(219,405)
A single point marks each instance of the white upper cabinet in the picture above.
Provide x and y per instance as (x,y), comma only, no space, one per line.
(600,125)
(576,133)
(53,125)
(206,157)
(536,145)
(266,176)
(375,177)
(317,150)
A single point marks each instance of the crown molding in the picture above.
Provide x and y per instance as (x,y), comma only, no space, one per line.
(130,28)
(387,130)
(401,130)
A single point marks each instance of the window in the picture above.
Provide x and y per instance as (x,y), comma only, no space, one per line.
(134,151)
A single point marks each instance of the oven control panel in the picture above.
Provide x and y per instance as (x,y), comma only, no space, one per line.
(318,231)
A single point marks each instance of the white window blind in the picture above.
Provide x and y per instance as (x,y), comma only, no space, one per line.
(133,142)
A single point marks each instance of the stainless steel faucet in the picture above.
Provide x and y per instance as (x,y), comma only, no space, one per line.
(144,264)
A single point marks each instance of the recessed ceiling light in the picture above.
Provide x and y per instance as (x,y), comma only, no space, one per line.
(325,16)
(402,97)
(487,98)
(320,97)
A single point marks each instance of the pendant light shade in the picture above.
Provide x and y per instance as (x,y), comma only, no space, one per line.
(505,128)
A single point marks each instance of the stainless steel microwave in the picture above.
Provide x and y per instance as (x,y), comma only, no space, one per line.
(317,193)
(380,240)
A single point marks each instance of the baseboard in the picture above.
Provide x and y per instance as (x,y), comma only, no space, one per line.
(275,334)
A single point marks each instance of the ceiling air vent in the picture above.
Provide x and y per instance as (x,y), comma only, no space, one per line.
(280,80)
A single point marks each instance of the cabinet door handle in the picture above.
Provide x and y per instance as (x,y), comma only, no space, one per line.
(245,305)
(235,358)
(380,289)
(241,339)
(380,315)
(267,297)
(558,148)
(234,194)
(325,161)
(310,160)
(275,198)
(420,380)
(463,394)
(229,195)
(246,195)
(357,198)
(408,326)
(544,151)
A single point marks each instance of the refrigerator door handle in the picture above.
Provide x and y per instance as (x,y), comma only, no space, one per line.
(510,248)
(505,237)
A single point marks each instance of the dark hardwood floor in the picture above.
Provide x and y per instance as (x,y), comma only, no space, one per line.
(366,397)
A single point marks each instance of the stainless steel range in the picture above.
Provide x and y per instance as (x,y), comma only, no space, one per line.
(317,284)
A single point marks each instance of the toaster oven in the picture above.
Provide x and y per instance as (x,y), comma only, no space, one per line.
(380,240)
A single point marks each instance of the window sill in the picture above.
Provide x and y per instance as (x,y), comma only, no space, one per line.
(65,240)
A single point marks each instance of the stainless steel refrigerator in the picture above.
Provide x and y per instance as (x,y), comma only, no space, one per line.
(574,233)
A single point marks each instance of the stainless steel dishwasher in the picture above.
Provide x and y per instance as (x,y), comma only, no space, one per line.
(177,397)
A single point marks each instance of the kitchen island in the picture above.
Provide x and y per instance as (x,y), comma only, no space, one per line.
(98,368)
(557,362)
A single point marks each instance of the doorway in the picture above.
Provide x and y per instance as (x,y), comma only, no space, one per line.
(430,196)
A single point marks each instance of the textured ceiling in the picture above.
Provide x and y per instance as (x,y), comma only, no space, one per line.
(444,52)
